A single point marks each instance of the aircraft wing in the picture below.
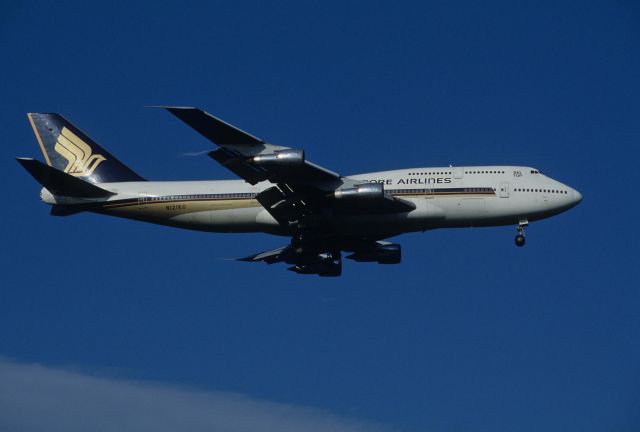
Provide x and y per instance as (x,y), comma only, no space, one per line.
(328,262)
(246,155)
(302,189)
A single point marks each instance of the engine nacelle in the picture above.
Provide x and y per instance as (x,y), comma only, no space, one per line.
(285,158)
(367,191)
(383,254)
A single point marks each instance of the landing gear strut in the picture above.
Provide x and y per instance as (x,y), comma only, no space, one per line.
(520,236)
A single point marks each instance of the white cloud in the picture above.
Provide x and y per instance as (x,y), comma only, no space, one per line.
(38,398)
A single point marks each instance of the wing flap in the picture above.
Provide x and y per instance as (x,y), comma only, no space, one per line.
(235,163)
(283,208)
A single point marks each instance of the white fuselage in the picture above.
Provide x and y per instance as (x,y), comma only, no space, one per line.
(443,197)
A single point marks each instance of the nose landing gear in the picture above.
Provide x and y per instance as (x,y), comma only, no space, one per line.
(520,236)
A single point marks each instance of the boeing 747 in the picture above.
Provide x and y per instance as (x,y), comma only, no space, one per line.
(281,192)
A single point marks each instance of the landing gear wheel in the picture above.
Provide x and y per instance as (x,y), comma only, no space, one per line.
(520,237)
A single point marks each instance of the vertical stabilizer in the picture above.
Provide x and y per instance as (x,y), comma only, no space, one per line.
(68,149)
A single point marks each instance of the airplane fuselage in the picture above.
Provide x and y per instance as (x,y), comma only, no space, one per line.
(445,197)
(281,192)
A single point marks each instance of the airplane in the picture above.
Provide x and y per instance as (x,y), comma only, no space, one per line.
(282,193)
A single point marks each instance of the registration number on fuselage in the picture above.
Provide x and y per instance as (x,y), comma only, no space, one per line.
(176,206)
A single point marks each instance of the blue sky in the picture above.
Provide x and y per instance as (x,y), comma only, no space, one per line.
(468,333)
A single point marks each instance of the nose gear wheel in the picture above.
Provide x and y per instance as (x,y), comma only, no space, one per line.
(520,241)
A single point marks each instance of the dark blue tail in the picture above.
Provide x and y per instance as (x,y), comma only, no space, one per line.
(68,149)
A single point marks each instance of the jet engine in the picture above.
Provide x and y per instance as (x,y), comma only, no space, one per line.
(367,191)
(282,158)
(382,254)
(324,264)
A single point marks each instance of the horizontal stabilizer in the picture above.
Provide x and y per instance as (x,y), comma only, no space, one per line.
(60,183)
(212,128)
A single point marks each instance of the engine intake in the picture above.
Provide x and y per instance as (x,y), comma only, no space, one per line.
(367,191)
(382,254)
(285,158)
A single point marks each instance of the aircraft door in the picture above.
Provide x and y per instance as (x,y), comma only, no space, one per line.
(458,172)
(428,192)
(504,190)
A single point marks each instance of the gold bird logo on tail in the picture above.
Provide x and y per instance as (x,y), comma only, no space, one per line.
(80,160)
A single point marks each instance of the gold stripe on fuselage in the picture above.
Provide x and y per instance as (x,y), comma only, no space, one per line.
(164,208)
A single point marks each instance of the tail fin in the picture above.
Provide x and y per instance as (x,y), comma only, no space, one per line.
(69,150)
(59,183)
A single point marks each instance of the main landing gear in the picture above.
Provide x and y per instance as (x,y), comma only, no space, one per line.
(520,236)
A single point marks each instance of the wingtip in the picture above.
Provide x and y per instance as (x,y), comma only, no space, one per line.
(245,259)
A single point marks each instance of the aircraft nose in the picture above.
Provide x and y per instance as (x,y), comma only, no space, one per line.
(577,197)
